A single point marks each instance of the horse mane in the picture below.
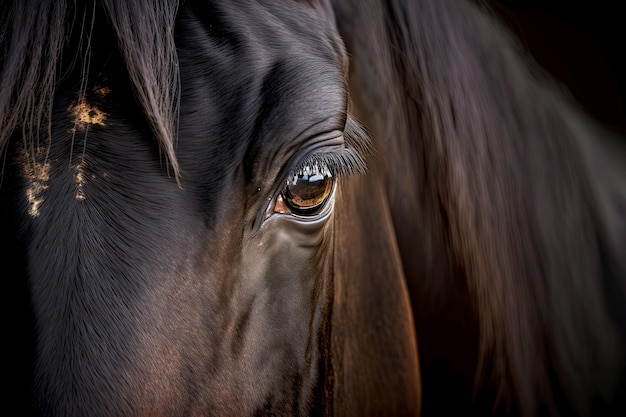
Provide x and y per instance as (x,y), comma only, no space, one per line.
(31,38)
(33,35)
(517,169)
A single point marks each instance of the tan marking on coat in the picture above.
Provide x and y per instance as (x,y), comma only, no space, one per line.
(37,174)
(82,177)
(80,181)
(86,114)
(101,91)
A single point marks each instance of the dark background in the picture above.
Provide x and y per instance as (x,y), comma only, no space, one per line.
(582,44)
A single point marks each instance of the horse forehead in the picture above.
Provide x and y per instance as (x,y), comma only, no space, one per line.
(269,65)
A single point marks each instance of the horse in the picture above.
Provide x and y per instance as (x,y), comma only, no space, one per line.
(300,208)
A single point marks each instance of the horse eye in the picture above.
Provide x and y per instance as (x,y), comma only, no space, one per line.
(307,191)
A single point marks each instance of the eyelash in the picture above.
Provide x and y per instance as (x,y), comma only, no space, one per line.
(344,162)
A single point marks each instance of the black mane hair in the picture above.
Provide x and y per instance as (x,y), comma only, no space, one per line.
(33,35)
(527,193)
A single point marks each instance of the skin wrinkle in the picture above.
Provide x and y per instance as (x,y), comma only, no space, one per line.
(304,143)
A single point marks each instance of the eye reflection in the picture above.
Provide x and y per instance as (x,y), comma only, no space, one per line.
(307,190)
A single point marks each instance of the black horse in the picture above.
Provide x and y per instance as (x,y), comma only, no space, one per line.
(260,207)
